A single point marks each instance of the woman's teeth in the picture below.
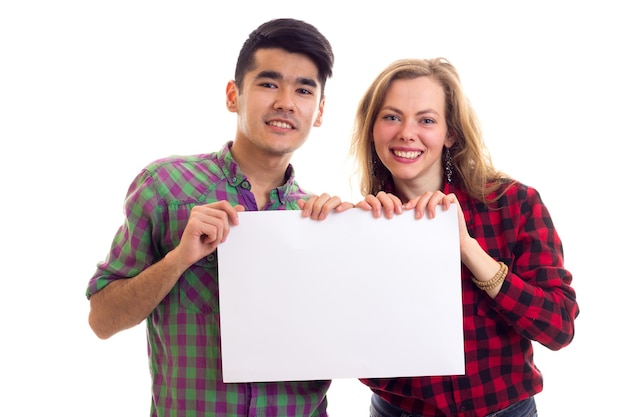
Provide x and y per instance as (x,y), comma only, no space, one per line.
(407,154)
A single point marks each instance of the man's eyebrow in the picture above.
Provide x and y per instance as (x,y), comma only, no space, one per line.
(275,75)
(307,81)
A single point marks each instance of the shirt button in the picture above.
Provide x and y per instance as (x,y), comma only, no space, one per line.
(210,257)
(245,185)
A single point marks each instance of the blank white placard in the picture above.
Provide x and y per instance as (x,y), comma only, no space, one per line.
(347,297)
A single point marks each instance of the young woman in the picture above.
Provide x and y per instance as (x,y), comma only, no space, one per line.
(418,144)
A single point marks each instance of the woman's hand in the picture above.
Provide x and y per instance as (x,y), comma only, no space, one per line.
(382,203)
(427,203)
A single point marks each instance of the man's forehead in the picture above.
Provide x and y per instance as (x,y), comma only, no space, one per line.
(280,64)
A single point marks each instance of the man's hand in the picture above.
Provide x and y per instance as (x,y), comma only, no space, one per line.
(317,207)
(208,226)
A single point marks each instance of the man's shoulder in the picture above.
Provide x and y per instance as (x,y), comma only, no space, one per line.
(185,173)
(182,163)
(188,162)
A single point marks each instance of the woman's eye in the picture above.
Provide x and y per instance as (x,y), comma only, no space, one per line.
(391,117)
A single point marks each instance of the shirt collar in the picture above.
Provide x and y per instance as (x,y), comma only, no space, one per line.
(235,176)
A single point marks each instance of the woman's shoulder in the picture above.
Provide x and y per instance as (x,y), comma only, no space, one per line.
(512,190)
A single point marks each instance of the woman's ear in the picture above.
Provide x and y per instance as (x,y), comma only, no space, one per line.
(450,140)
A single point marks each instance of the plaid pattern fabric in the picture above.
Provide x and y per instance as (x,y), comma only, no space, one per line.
(536,303)
(183,331)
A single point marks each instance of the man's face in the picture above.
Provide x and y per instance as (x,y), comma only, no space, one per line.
(279,102)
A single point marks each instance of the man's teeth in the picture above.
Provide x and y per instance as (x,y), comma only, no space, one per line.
(407,154)
(282,125)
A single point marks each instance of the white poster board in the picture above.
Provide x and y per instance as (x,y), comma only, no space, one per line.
(347,297)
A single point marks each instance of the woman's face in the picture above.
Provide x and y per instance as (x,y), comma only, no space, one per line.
(410,132)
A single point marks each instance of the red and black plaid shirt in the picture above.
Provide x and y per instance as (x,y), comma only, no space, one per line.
(535,303)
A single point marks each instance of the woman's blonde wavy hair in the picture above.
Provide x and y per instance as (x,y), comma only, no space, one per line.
(473,168)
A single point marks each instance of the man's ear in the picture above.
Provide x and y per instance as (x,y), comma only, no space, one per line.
(320,113)
(232,94)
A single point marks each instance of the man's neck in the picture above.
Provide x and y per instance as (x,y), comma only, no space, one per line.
(263,171)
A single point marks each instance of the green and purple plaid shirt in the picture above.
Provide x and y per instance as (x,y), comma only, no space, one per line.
(183,330)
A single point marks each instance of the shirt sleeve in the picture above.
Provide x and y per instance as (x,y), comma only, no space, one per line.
(131,250)
(536,297)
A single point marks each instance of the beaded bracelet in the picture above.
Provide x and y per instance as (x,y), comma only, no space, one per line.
(497,279)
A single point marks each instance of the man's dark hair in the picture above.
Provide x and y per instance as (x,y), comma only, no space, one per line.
(294,36)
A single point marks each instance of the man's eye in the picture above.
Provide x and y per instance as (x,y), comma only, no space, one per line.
(304,91)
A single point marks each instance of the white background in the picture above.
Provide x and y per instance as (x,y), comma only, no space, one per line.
(92,91)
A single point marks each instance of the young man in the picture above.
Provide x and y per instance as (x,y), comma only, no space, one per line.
(162,266)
